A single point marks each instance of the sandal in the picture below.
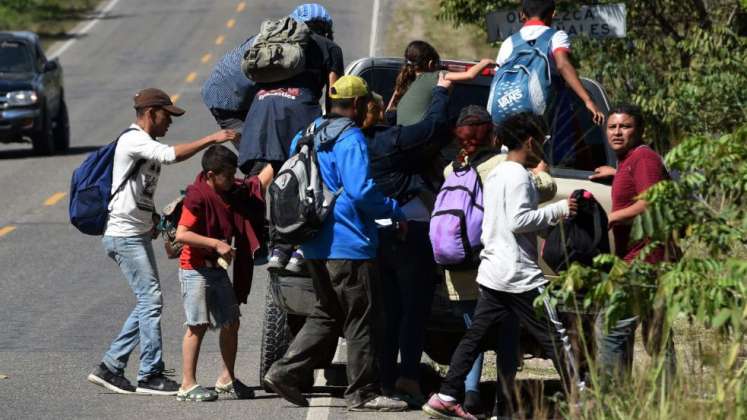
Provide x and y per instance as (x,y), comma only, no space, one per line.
(196,393)
(235,389)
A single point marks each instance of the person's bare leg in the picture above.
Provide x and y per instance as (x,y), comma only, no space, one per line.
(229,342)
(190,353)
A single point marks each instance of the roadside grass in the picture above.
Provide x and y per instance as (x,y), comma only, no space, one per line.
(415,19)
(50,19)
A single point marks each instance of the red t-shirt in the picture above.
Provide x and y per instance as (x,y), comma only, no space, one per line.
(192,258)
(636,172)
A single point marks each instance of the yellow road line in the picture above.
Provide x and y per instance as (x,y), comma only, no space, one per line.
(240,7)
(205,58)
(219,40)
(6,230)
(231,23)
(191,77)
(55,198)
(175,98)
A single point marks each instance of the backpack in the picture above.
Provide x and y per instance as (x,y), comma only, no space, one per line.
(277,52)
(579,239)
(299,202)
(456,221)
(91,189)
(524,82)
(170,216)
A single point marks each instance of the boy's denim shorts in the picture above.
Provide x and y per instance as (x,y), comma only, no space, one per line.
(208,297)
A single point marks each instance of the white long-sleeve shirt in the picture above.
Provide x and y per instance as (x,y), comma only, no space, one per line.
(509,230)
(131,210)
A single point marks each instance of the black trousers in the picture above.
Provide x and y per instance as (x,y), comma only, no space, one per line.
(408,281)
(494,308)
(344,307)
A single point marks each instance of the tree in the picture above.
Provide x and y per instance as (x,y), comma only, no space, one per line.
(683,61)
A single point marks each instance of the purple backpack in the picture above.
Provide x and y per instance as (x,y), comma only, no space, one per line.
(456,222)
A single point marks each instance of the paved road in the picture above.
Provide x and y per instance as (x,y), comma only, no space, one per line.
(61,299)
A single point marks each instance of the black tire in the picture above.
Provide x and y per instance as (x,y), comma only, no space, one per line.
(62,129)
(43,141)
(276,336)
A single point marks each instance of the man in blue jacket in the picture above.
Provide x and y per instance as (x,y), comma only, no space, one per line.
(341,259)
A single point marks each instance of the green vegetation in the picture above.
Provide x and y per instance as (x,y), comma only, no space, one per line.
(51,19)
(703,214)
(683,61)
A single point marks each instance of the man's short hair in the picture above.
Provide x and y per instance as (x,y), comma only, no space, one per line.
(632,110)
(516,129)
(219,159)
(538,8)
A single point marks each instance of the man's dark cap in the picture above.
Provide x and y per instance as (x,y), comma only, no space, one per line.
(156,98)
(473,115)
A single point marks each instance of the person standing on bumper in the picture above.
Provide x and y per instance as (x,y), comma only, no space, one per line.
(128,236)
(341,259)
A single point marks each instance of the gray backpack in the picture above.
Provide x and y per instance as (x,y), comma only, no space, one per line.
(299,202)
(277,52)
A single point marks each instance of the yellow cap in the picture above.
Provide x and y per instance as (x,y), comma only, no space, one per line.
(348,87)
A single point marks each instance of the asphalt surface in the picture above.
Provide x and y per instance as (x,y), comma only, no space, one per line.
(62,300)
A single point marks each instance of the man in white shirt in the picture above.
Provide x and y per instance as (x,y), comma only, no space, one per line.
(509,276)
(128,235)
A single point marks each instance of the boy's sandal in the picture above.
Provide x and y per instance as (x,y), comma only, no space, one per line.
(235,389)
(196,393)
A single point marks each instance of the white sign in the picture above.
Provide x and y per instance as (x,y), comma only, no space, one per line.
(598,21)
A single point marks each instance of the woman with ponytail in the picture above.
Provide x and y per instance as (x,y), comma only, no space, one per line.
(413,89)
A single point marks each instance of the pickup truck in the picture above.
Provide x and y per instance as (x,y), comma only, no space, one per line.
(32,103)
(575,148)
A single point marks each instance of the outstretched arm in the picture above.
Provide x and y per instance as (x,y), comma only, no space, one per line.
(470,74)
(566,69)
(187,150)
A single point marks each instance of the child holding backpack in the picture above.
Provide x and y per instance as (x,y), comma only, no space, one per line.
(218,209)
(480,152)
(417,78)
(511,92)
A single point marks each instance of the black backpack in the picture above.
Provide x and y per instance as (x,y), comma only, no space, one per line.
(579,239)
(299,202)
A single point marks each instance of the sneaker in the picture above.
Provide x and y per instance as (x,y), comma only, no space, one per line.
(440,409)
(297,264)
(382,403)
(102,376)
(278,260)
(234,390)
(289,392)
(157,385)
(196,393)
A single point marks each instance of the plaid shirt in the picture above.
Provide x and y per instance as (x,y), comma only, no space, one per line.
(227,87)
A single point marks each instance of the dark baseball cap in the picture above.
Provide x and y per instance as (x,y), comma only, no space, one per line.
(158,98)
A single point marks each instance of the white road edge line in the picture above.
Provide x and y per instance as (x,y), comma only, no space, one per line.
(374,29)
(320,408)
(81,29)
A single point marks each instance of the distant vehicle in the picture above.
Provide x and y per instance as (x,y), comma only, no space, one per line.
(575,148)
(32,101)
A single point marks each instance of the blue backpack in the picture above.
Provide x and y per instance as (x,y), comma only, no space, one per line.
(91,189)
(524,82)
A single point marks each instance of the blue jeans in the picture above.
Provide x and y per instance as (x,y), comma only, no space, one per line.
(136,259)
(615,349)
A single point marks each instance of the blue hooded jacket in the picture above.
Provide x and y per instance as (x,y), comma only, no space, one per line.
(350,232)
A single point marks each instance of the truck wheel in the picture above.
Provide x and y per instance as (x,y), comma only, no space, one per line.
(62,129)
(276,336)
(43,141)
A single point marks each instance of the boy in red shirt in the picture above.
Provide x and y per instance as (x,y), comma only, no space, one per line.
(218,209)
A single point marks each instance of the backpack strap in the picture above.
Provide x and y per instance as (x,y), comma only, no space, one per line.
(132,171)
(543,41)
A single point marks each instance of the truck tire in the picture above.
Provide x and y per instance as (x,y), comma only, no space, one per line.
(276,336)
(42,142)
(62,129)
